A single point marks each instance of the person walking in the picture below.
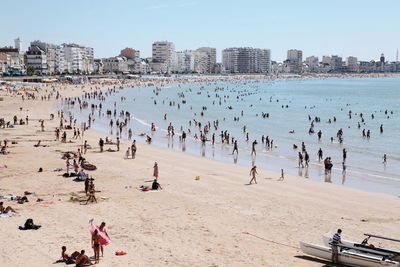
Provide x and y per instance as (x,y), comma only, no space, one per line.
(253,173)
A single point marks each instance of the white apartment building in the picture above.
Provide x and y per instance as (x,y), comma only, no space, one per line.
(294,61)
(163,56)
(78,59)
(246,60)
(184,62)
(211,57)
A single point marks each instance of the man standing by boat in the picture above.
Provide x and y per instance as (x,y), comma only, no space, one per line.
(336,240)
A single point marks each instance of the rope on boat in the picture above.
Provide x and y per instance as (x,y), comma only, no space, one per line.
(271,241)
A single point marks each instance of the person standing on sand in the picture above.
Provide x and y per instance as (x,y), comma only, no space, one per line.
(96,245)
(118,143)
(101,144)
(155,170)
(253,173)
(103,230)
(85,146)
(384,159)
(133,149)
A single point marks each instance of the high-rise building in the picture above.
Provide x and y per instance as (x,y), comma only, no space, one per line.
(163,56)
(246,60)
(312,63)
(336,63)
(352,64)
(78,58)
(294,61)
(211,58)
(184,62)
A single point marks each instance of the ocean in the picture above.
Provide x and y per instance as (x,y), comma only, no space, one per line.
(290,103)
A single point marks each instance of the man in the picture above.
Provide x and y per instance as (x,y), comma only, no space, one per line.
(336,240)
(82,260)
(253,173)
(101,144)
(235,148)
(103,230)
(253,149)
(96,245)
(118,143)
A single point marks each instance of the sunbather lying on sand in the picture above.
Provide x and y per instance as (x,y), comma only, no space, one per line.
(5,210)
(68,259)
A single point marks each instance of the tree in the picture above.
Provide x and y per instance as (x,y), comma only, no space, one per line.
(30,70)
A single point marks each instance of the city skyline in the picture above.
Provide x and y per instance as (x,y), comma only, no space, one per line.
(361,28)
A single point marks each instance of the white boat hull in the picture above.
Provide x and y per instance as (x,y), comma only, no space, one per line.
(346,257)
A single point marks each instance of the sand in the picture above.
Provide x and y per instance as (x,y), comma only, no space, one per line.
(189,223)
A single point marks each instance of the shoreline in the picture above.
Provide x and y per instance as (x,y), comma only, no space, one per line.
(188,223)
(274,161)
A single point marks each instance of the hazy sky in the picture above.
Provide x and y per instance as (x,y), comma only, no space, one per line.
(362,28)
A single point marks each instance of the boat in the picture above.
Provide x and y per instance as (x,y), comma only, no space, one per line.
(355,254)
(365,245)
(349,256)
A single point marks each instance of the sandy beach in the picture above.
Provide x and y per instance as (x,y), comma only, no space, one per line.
(217,220)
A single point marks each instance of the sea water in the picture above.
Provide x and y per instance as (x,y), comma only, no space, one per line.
(289,103)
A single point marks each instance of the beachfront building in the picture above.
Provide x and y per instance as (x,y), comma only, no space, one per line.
(312,64)
(184,62)
(163,56)
(294,61)
(36,60)
(211,58)
(336,63)
(246,60)
(50,51)
(351,64)
(115,65)
(133,59)
(201,62)
(130,53)
(12,59)
(78,58)
(98,66)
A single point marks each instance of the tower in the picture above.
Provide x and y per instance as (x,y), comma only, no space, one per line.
(18,44)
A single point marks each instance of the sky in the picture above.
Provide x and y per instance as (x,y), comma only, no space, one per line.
(361,28)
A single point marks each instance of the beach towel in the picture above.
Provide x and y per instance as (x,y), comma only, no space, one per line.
(7,215)
(3,166)
(149,190)
(44,203)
